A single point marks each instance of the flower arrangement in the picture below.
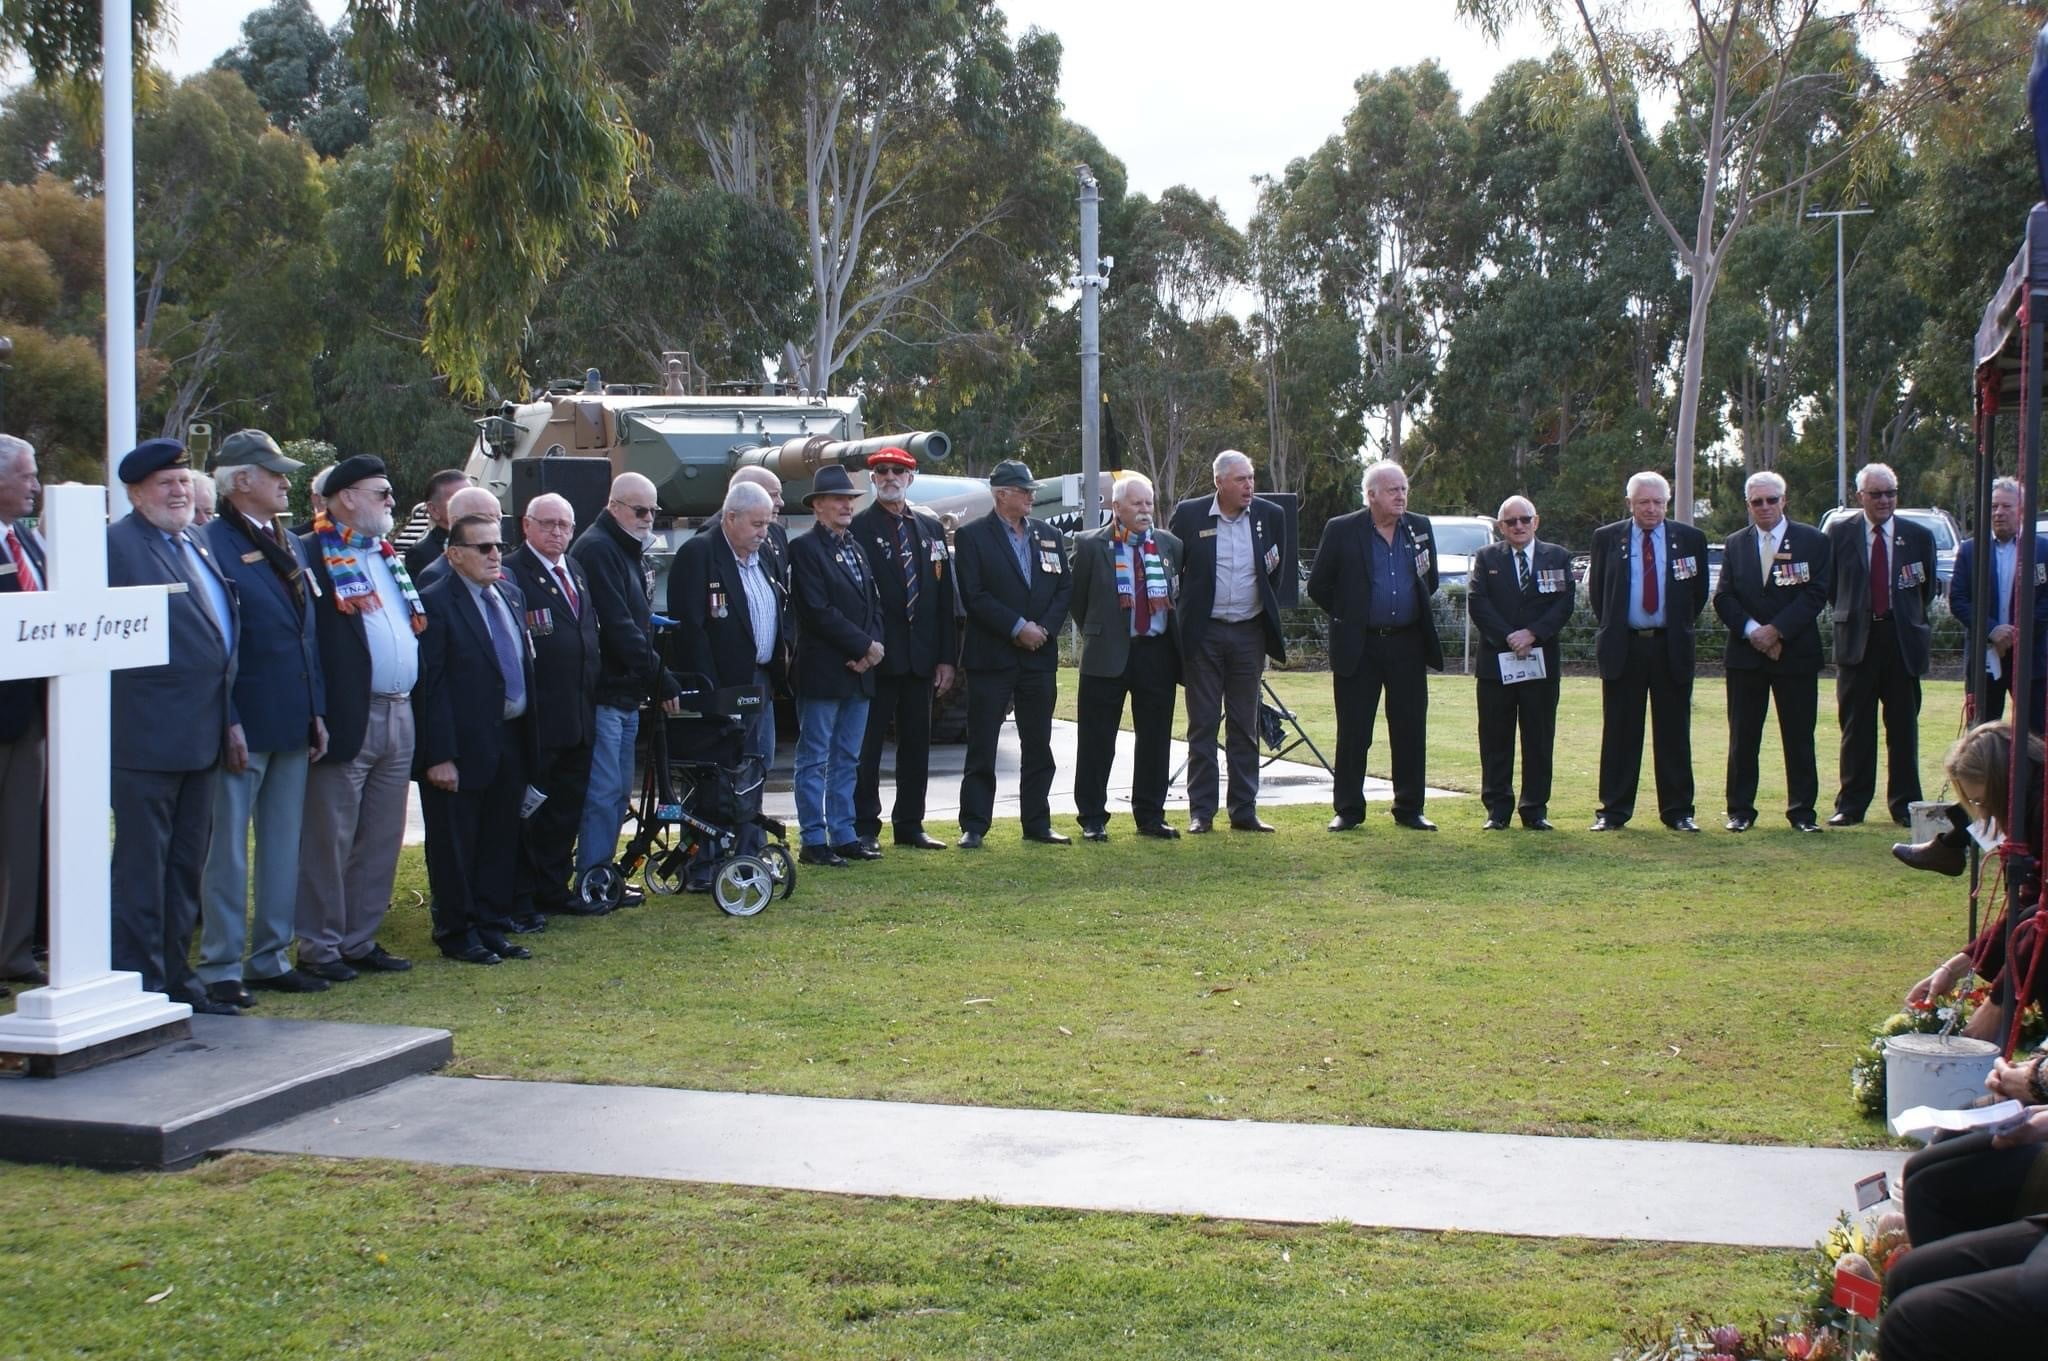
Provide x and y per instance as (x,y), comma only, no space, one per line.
(1948,1012)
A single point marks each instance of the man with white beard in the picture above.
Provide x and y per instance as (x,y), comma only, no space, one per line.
(368,618)
(170,726)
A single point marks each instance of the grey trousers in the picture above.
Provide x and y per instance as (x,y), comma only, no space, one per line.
(1222,677)
(272,793)
(163,821)
(21,847)
(348,846)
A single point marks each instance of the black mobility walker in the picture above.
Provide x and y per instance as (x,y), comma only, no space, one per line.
(695,801)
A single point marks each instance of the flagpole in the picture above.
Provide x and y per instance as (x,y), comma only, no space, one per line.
(117,90)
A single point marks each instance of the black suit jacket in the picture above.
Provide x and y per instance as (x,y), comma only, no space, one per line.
(1341,583)
(1614,575)
(997,597)
(1912,557)
(1789,601)
(1499,606)
(837,618)
(565,651)
(172,717)
(21,701)
(715,639)
(1195,526)
(458,706)
(914,646)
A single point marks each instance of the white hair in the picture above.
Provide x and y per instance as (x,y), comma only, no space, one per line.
(752,475)
(472,501)
(1228,461)
(318,486)
(1646,478)
(13,450)
(1380,472)
(1516,499)
(2011,484)
(549,500)
(1763,479)
(1127,482)
(1869,468)
(744,498)
(204,490)
(234,479)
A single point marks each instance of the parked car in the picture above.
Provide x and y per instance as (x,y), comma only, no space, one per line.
(1458,540)
(1935,521)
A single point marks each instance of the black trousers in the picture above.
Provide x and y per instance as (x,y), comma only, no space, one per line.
(990,695)
(1880,680)
(1531,706)
(471,878)
(1976,1294)
(906,701)
(163,828)
(1751,693)
(1392,664)
(1995,693)
(547,840)
(1959,1184)
(1648,678)
(1148,680)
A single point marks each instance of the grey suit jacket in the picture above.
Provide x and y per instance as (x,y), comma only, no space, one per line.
(1105,632)
(1913,587)
(174,716)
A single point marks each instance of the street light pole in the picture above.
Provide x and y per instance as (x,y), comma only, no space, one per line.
(1090,282)
(1841,357)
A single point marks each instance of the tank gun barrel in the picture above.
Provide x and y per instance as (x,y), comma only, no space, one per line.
(798,460)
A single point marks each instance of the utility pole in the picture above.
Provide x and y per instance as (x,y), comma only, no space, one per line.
(1841,357)
(1090,282)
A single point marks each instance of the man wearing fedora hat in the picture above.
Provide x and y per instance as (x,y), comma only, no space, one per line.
(1015,587)
(838,645)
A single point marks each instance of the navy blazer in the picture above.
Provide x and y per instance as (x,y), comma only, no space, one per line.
(1962,594)
(1499,606)
(21,701)
(715,637)
(1913,584)
(1790,601)
(564,650)
(915,646)
(172,717)
(837,619)
(1195,527)
(278,687)
(458,706)
(1341,582)
(1614,575)
(997,598)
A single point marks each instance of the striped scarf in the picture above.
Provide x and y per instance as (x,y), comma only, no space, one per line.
(1155,571)
(354,592)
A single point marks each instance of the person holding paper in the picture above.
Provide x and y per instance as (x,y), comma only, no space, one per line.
(1521,598)
(1997,610)
(1374,575)
(1774,579)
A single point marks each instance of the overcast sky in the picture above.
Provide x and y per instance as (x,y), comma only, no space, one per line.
(1184,93)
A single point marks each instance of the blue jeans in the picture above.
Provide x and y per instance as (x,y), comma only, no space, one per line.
(829,733)
(611,786)
(272,791)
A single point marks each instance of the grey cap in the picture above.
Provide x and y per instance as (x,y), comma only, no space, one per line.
(1012,473)
(253,448)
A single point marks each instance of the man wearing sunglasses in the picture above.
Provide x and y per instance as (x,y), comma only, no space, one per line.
(1884,582)
(1521,599)
(1775,576)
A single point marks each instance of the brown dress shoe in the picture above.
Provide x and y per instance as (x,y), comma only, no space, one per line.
(1936,855)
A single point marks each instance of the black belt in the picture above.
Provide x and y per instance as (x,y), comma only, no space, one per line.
(1647,633)
(1388,633)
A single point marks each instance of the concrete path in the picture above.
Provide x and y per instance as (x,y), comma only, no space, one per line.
(1413,1179)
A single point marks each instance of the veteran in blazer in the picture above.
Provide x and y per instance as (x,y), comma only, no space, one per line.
(1775,574)
(775,546)
(1999,631)
(1521,597)
(562,626)
(1647,584)
(1374,575)
(908,556)
(1884,582)
(22,751)
(1237,556)
(1015,587)
(170,727)
(1125,577)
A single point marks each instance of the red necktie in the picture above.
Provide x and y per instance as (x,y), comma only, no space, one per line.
(1141,594)
(23,572)
(1649,573)
(1880,575)
(575,607)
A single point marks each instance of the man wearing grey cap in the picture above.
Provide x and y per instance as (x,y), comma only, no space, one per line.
(278,729)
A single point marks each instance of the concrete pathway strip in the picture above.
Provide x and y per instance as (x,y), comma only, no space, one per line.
(1411,1179)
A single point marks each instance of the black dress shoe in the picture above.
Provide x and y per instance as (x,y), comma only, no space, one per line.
(970,841)
(919,841)
(856,850)
(1343,822)
(1094,834)
(327,971)
(1902,819)
(291,980)
(377,959)
(35,978)
(1494,825)
(529,925)
(1936,855)
(207,1006)
(1603,823)
(1683,825)
(1808,826)
(502,948)
(823,856)
(1539,824)
(1198,826)
(871,843)
(230,991)
(1844,819)
(1250,825)
(1159,831)
(1049,837)
(473,954)
(1740,824)
(1414,822)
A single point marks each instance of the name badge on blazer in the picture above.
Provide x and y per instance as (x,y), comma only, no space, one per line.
(1549,580)
(1206,534)
(8,569)
(2041,573)
(1911,574)
(254,555)
(1684,569)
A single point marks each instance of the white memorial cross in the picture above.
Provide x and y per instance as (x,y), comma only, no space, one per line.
(78,632)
